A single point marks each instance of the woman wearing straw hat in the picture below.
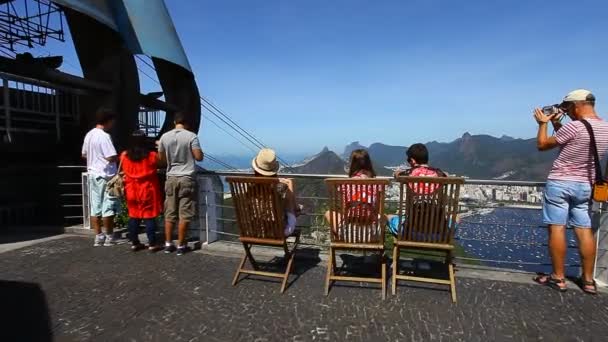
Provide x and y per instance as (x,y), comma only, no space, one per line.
(265,164)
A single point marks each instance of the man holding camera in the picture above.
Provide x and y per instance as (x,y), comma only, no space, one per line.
(568,193)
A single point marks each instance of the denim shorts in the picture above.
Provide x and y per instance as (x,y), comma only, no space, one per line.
(393,223)
(100,202)
(567,203)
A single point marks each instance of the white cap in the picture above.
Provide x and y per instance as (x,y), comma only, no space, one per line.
(579,95)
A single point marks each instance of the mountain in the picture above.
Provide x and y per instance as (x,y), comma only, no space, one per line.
(324,162)
(350,148)
(474,156)
(386,155)
(484,156)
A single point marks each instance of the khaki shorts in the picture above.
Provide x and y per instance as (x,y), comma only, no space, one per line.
(180,199)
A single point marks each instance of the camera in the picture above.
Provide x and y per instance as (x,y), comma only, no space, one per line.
(551,110)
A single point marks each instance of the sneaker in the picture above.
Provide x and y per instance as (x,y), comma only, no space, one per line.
(110,241)
(181,250)
(169,249)
(99,240)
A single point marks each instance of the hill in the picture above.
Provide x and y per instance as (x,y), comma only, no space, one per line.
(474,156)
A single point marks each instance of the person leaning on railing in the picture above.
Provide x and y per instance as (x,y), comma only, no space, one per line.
(567,193)
(179,149)
(142,189)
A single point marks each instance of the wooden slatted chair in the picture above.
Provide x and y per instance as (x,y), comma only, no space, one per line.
(357,222)
(261,221)
(429,207)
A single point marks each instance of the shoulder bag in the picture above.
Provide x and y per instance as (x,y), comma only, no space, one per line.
(116,184)
(599,188)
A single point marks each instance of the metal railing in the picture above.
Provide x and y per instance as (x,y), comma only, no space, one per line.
(30,106)
(505,233)
(491,232)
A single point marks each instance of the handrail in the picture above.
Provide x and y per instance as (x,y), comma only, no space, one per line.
(41,83)
(467,181)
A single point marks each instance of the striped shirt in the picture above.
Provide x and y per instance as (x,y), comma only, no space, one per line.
(575,161)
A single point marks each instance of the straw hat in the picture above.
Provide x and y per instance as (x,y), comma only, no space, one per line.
(265,163)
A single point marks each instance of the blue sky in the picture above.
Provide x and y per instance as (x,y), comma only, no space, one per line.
(304,74)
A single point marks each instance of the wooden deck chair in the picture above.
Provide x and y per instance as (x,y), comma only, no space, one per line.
(261,221)
(428,209)
(357,222)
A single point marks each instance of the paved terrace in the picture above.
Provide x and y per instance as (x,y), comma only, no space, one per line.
(62,289)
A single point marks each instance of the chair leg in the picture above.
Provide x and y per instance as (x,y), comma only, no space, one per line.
(395,265)
(330,270)
(288,270)
(250,256)
(238,270)
(383,265)
(452,278)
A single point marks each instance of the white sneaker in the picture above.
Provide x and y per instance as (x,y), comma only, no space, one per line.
(110,241)
(99,240)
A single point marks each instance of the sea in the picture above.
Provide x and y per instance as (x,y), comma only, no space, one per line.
(512,238)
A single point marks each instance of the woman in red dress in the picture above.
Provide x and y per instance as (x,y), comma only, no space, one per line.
(142,189)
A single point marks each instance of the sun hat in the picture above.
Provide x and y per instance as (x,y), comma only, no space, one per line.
(265,163)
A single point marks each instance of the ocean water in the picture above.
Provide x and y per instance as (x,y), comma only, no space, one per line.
(513,238)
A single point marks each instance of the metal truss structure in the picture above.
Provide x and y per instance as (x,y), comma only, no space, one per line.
(29,22)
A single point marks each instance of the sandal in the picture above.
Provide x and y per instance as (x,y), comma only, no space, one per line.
(554,283)
(589,287)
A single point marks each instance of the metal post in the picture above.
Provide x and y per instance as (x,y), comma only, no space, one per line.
(207,208)
(86,209)
(7,110)
(600,223)
(57,115)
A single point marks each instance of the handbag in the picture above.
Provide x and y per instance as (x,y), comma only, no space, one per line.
(116,184)
(599,189)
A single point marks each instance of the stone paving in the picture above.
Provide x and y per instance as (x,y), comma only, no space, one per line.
(66,290)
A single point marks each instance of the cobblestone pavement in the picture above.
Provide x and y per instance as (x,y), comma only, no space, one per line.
(112,294)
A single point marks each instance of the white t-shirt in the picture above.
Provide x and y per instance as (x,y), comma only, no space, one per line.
(96,148)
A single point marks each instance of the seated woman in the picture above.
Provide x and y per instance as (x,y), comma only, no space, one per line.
(358,202)
(142,189)
(265,164)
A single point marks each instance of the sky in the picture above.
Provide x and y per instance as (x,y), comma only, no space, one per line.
(301,75)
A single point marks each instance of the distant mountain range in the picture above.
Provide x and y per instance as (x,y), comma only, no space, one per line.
(474,156)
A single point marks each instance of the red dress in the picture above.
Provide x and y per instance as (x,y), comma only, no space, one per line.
(142,189)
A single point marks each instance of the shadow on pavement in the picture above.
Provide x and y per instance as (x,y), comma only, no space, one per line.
(25,314)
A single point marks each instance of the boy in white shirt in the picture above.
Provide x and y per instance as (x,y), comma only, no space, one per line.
(101,157)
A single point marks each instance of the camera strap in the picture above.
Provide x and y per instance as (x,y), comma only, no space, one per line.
(594,153)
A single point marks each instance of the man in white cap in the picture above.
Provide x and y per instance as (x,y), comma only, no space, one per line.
(567,193)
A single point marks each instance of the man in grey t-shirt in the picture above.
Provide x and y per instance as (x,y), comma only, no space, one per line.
(179,149)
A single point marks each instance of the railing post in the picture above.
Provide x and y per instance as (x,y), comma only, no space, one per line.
(57,115)
(86,219)
(600,273)
(208,186)
(7,110)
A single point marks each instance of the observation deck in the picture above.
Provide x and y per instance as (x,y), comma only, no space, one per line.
(71,291)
